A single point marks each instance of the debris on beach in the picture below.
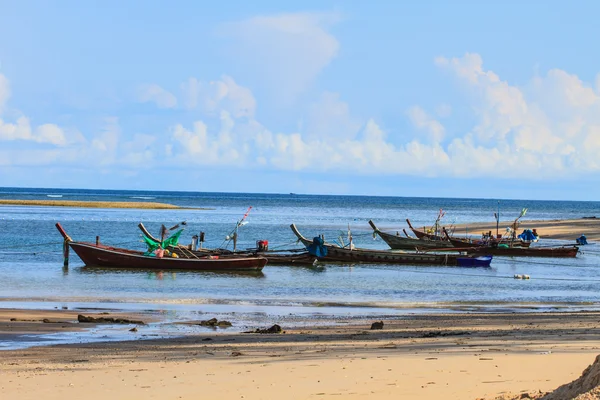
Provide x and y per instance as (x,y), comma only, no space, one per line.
(521,276)
(107,320)
(274,329)
(377,325)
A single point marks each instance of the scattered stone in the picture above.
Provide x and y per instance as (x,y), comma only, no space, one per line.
(107,320)
(210,322)
(46,321)
(13,319)
(274,329)
(377,325)
(134,329)
(213,322)
(236,354)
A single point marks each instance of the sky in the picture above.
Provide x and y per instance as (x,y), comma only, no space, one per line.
(494,99)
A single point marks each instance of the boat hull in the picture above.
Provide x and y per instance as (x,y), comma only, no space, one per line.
(104,256)
(398,242)
(562,252)
(386,257)
(497,250)
(483,261)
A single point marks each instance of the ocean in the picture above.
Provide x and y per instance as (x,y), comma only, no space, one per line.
(32,275)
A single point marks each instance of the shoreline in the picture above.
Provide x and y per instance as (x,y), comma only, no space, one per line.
(96,204)
(450,356)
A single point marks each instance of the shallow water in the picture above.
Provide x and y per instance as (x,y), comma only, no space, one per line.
(31,261)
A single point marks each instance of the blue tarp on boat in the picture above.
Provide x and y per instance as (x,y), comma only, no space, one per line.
(527,235)
(581,240)
(316,248)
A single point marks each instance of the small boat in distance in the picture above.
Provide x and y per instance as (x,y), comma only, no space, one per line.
(99,255)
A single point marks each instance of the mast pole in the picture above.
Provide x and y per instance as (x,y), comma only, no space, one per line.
(498,219)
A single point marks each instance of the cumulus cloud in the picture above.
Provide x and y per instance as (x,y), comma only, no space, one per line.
(224,94)
(286,51)
(21,130)
(330,118)
(546,128)
(157,95)
(423,121)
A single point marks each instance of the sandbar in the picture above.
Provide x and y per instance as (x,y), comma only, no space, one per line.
(441,356)
(564,229)
(95,204)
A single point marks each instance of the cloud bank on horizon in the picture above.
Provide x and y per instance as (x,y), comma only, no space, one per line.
(543,128)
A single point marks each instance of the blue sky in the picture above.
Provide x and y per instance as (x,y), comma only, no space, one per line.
(449,99)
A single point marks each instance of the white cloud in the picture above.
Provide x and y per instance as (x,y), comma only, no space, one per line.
(104,145)
(330,118)
(516,129)
(21,130)
(223,94)
(547,128)
(156,94)
(421,120)
(286,52)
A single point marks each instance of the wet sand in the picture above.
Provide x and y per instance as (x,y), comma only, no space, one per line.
(443,356)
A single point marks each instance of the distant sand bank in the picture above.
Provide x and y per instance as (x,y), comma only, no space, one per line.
(94,204)
(565,229)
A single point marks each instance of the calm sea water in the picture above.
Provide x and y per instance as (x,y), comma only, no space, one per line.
(31,262)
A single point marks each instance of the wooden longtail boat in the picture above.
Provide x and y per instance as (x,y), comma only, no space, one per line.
(424,235)
(341,254)
(406,243)
(462,243)
(106,256)
(273,257)
(499,250)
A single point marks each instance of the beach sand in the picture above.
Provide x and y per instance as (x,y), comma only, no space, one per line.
(453,356)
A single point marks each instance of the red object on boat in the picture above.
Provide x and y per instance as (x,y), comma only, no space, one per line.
(262,245)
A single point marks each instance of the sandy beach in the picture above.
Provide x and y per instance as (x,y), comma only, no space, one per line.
(457,356)
(566,229)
